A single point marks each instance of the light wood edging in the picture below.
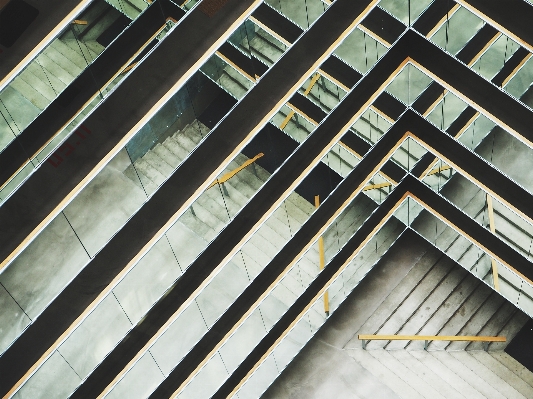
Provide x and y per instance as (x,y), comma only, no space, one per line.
(471,103)
(102,164)
(123,69)
(501,28)
(68,198)
(317,296)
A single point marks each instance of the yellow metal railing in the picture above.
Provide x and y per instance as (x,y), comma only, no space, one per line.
(428,338)
(229,175)
(307,91)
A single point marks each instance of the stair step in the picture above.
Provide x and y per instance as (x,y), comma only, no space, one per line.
(55,69)
(428,308)
(464,313)
(168,156)
(264,49)
(228,83)
(512,364)
(158,163)
(203,209)
(493,326)
(81,47)
(173,146)
(125,8)
(140,179)
(18,108)
(417,297)
(452,377)
(73,56)
(26,90)
(479,383)
(478,320)
(185,141)
(503,373)
(405,373)
(149,171)
(486,374)
(196,224)
(62,60)
(513,326)
(398,385)
(395,297)
(42,87)
(449,307)
(195,131)
(435,380)
(95,47)
(46,77)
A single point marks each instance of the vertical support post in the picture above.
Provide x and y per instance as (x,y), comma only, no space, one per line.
(493,230)
(322,262)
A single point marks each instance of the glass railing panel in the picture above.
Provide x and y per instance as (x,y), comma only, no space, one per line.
(509,155)
(476,132)
(486,210)
(266,47)
(302,12)
(307,325)
(148,159)
(408,84)
(493,59)
(115,194)
(187,4)
(446,111)
(474,259)
(185,240)
(521,82)
(324,93)
(407,11)
(62,61)
(129,8)
(251,259)
(371,126)
(227,77)
(457,30)
(360,51)
(36,159)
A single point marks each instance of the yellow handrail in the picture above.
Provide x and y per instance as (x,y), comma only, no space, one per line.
(427,338)
(374,186)
(307,91)
(229,175)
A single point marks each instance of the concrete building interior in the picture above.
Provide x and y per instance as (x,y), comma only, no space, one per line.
(266,199)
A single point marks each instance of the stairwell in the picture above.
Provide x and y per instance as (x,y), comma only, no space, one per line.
(413,289)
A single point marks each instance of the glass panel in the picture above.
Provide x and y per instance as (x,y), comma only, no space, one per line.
(74,126)
(457,31)
(360,51)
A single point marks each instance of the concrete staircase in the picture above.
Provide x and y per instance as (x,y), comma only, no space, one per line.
(437,297)
(52,71)
(412,290)
(446,374)
(188,237)
(130,8)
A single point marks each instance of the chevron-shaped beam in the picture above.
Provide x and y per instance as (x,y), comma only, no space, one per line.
(480,94)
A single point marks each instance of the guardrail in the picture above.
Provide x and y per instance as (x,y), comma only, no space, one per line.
(428,338)
(229,175)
